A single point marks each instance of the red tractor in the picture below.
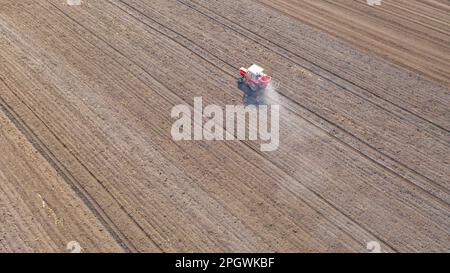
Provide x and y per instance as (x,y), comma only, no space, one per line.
(254,77)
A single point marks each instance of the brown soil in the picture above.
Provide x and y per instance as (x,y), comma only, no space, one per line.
(86,93)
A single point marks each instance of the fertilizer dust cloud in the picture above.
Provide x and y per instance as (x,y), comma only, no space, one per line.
(271,95)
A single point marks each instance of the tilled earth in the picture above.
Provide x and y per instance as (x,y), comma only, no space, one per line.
(86,152)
